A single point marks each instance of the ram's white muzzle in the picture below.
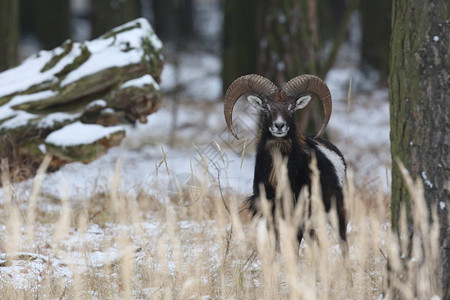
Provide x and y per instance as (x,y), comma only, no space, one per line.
(279,128)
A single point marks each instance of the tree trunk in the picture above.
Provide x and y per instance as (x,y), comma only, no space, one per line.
(163,19)
(174,19)
(27,16)
(240,40)
(107,14)
(290,45)
(53,22)
(419,85)
(9,33)
(55,97)
(290,40)
(333,12)
(375,39)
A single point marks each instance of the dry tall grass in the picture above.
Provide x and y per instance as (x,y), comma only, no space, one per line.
(119,247)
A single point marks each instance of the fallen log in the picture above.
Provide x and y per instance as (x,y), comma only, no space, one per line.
(69,102)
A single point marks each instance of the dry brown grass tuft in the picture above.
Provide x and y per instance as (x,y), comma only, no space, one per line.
(113,246)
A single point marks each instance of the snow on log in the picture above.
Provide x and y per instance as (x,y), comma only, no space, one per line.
(83,142)
(108,81)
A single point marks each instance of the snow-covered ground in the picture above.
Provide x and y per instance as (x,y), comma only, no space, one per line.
(359,128)
(191,121)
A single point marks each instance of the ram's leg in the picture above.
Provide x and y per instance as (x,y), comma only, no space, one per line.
(342,218)
(343,245)
(299,236)
(277,238)
(274,233)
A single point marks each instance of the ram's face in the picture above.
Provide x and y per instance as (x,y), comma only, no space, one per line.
(277,103)
(278,116)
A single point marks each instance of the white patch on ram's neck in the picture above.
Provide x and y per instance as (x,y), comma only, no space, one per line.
(276,170)
(284,146)
(337,162)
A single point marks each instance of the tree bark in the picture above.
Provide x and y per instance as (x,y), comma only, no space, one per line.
(419,85)
(107,14)
(9,33)
(109,81)
(53,22)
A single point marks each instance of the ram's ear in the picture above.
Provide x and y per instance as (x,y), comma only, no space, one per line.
(302,102)
(256,102)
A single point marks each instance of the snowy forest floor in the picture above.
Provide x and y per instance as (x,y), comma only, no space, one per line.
(115,228)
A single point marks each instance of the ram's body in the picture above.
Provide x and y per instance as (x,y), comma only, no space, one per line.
(281,141)
(330,162)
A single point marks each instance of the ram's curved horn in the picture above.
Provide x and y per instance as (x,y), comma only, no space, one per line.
(248,84)
(310,84)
